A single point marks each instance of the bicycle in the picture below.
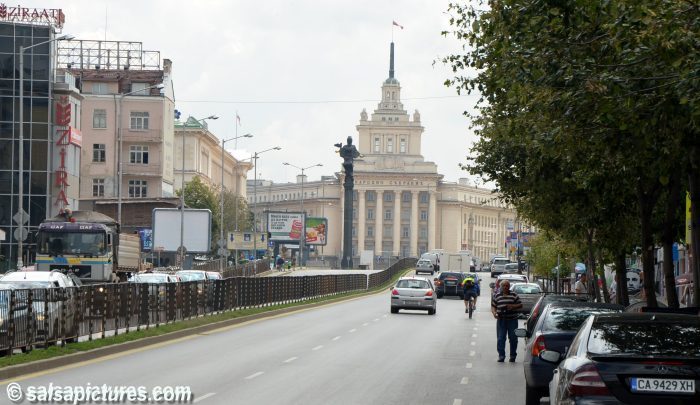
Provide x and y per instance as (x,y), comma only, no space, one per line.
(471,306)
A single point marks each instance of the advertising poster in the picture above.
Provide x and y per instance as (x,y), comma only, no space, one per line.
(246,240)
(146,236)
(284,226)
(316,231)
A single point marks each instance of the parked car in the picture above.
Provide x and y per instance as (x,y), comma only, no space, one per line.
(52,278)
(510,268)
(498,266)
(413,293)
(529,294)
(153,278)
(214,275)
(425,266)
(555,330)
(647,358)
(547,299)
(512,278)
(192,275)
(448,283)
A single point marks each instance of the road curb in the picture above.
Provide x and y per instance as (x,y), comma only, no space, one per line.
(18,370)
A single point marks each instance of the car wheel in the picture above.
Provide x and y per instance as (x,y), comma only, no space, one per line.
(439,296)
(532,396)
(431,312)
(492,276)
(394,310)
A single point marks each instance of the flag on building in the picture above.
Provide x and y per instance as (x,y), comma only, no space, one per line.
(238,119)
(397,24)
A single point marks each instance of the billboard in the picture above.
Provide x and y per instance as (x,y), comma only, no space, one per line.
(146,236)
(246,240)
(316,231)
(284,226)
(166,229)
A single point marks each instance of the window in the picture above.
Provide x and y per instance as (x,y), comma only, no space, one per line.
(370,231)
(354,195)
(139,120)
(99,88)
(371,196)
(402,145)
(99,119)
(388,197)
(423,215)
(390,145)
(138,154)
(370,213)
(354,213)
(424,197)
(405,232)
(377,147)
(354,231)
(139,89)
(98,152)
(98,187)
(406,197)
(387,213)
(424,233)
(138,189)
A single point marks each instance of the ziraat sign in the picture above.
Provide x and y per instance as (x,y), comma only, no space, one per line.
(65,137)
(52,17)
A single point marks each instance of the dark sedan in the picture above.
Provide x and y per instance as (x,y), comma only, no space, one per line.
(554,330)
(449,283)
(547,299)
(647,358)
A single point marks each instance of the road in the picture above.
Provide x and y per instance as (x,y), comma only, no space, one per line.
(353,352)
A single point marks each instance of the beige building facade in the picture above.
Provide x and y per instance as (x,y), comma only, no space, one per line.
(401,205)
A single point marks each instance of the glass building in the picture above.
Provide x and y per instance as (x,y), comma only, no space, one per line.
(38,72)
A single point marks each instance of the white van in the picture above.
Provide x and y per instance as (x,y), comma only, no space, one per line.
(498,266)
(434,259)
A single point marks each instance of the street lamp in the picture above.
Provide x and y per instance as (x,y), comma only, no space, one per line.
(181,249)
(254,158)
(302,239)
(222,241)
(20,193)
(119,149)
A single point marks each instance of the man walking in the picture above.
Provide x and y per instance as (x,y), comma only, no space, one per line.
(503,307)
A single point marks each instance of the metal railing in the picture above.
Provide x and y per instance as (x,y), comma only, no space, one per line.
(45,317)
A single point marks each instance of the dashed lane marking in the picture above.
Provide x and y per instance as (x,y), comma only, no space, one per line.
(352,330)
(472,353)
(319,347)
(258,374)
(457,402)
(465,381)
(336,338)
(203,397)
(291,359)
(469,365)
(365,324)
(473,335)
(376,319)
(473,343)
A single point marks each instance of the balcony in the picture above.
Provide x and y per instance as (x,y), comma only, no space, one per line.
(142,135)
(137,169)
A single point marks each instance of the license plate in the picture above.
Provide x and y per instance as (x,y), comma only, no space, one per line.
(662,385)
(451,283)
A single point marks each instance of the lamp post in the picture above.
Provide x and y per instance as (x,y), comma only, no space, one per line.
(119,149)
(302,238)
(222,241)
(181,249)
(20,193)
(254,158)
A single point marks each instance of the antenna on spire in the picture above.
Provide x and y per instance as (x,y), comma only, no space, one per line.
(391,61)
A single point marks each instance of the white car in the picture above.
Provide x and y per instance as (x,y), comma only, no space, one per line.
(425,266)
(48,278)
(413,293)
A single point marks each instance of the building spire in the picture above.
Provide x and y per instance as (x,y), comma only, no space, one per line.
(391,61)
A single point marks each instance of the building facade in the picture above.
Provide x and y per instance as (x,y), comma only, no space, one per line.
(401,205)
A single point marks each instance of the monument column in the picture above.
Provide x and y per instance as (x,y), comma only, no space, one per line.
(432,220)
(397,224)
(360,221)
(414,223)
(379,224)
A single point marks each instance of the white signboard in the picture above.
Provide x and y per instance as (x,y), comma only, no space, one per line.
(166,229)
(284,226)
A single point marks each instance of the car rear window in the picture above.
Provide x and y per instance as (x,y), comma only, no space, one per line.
(570,319)
(500,261)
(419,284)
(648,338)
(526,289)
(457,276)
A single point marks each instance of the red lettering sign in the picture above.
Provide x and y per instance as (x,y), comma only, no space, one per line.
(63,111)
(61,199)
(51,17)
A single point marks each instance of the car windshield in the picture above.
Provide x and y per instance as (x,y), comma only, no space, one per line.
(191,276)
(570,319)
(648,338)
(71,243)
(21,285)
(149,278)
(512,266)
(526,289)
(417,284)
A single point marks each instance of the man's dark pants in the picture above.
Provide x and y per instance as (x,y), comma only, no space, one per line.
(503,327)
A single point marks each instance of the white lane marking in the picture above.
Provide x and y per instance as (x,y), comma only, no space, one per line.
(457,402)
(203,397)
(336,338)
(384,316)
(473,343)
(472,353)
(475,328)
(469,365)
(291,359)
(318,347)
(376,319)
(258,374)
(473,335)
(465,381)
(365,324)
(352,330)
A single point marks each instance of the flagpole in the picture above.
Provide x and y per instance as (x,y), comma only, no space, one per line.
(235,145)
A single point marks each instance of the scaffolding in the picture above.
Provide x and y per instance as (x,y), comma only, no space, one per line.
(108,55)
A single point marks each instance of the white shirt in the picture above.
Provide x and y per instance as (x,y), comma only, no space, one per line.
(580,287)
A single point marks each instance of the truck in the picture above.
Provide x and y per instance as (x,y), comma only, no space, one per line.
(458,262)
(88,244)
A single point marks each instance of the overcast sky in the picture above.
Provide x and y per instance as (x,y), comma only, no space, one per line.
(298,72)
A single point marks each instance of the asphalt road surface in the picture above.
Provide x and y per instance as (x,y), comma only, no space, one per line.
(353,352)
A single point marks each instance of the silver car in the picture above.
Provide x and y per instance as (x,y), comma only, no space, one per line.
(425,266)
(413,293)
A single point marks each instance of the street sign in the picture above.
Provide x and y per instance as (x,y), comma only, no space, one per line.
(21,233)
(223,252)
(21,217)
(222,243)
(182,250)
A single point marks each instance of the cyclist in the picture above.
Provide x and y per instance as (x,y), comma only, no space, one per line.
(470,289)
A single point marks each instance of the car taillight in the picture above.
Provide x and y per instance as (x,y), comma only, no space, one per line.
(587,381)
(429,293)
(438,282)
(538,346)
(395,292)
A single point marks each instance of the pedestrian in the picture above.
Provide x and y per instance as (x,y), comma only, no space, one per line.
(504,308)
(280,262)
(581,286)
